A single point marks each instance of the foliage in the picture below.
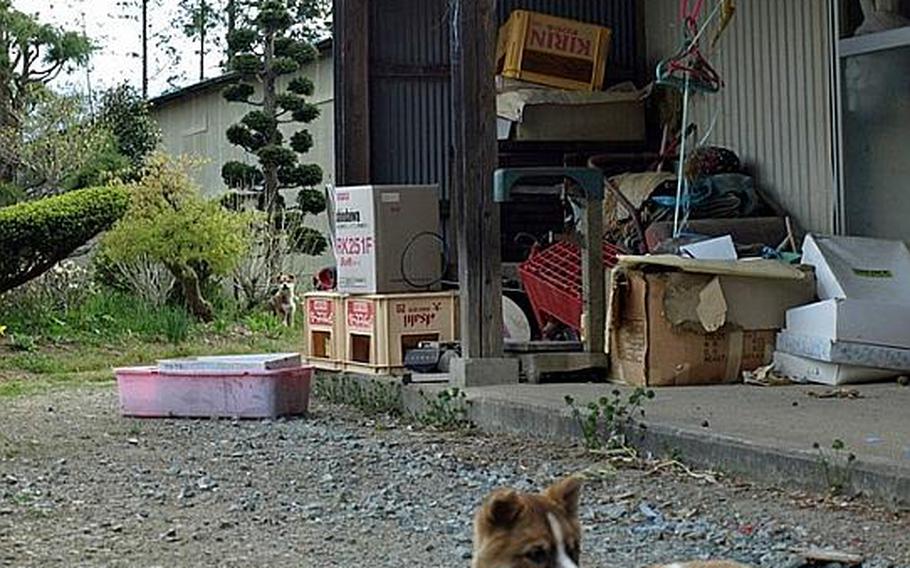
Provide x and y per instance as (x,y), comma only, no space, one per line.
(447,410)
(266,48)
(10,193)
(125,113)
(31,53)
(837,465)
(147,279)
(169,222)
(36,235)
(57,147)
(605,422)
(370,397)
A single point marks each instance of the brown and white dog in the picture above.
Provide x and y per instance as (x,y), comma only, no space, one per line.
(540,530)
(284,302)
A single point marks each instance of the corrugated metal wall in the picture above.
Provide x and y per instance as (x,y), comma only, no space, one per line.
(776,59)
(410,96)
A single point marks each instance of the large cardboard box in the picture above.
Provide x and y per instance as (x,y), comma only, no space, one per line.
(553,51)
(676,322)
(535,115)
(387,239)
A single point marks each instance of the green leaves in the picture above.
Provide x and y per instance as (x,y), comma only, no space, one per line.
(302,86)
(238,175)
(238,93)
(302,141)
(35,235)
(246,64)
(307,113)
(273,155)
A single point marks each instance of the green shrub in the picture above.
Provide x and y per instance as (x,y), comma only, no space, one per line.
(10,194)
(36,235)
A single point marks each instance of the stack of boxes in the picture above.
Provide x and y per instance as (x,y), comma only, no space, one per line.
(390,255)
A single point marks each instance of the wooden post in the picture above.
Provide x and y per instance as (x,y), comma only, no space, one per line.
(592,277)
(473,50)
(352,92)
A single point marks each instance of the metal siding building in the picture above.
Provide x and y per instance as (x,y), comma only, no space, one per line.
(193,122)
(777,61)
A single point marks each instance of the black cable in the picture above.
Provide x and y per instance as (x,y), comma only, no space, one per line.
(445,258)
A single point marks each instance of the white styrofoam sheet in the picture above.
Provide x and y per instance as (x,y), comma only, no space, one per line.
(806,370)
(858,321)
(844,352)
(258,362)
(859,268)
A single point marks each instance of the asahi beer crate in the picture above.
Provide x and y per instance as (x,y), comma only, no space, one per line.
(324,329)
(380,329)
(387,239)
(553,51)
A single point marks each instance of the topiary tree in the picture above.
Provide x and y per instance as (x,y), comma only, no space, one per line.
(169,222)
(36,235)
(264,51)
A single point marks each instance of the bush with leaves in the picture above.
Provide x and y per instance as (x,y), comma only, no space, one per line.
(36,235)
(169,222)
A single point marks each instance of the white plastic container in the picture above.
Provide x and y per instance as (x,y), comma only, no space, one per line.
(196,393)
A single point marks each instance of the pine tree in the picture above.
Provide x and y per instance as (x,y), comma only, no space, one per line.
(265,49)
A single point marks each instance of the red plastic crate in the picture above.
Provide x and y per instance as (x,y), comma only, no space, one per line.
(552,279)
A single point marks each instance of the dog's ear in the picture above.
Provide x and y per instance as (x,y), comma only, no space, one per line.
(566,492)
(502,508)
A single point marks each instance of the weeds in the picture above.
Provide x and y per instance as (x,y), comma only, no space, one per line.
(837,465)
(605,422)
(448,410)
(370,397)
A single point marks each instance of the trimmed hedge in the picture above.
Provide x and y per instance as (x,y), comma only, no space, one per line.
(36,235)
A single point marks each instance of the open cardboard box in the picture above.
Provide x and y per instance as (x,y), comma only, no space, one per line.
(676,321)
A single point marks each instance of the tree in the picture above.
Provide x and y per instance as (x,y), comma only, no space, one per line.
(57,147)
(31,53)
(169,222)
(125,113)
(265,51)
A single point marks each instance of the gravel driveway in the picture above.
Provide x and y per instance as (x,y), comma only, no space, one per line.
(81,486)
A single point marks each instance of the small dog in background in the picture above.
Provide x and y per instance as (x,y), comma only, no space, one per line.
(513,529)
(284,302)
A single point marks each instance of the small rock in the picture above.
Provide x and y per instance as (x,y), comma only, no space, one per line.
(132,441)
(903,380)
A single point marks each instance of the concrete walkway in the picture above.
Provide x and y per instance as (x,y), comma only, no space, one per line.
(763,433)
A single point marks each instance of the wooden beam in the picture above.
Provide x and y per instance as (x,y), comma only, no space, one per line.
(473,50)
(352,92)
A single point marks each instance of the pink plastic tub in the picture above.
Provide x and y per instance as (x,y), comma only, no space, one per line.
(148,392)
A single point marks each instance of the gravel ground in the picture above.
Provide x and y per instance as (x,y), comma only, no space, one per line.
(81,486)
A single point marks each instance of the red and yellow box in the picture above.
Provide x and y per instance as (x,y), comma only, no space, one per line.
(324,329)
(553,51)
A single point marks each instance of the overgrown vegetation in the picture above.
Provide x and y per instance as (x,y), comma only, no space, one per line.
(36,235)
(168,222)
(448,410)
(370,397)
(837,465)
(606,422)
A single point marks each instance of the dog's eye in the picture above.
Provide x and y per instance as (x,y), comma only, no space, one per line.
(538,555)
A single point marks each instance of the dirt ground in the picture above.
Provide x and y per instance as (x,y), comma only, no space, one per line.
(81,486)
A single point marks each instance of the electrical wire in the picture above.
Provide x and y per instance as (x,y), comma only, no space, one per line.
(407,248)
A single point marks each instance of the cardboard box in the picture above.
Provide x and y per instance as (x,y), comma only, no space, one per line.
(387,239)
(677,321)
(553,51)
(806,370)
(858,321)
(380,329)
(859,268)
